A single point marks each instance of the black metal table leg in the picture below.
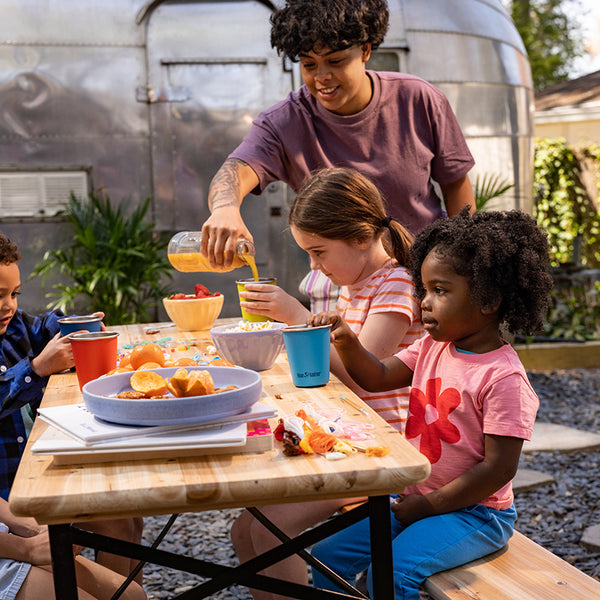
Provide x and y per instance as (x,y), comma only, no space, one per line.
(63,562)
(381,548)
(63,536)
(141,563)
(308,558)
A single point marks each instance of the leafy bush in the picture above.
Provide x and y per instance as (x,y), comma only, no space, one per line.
(568,213)
(562,205)
(574,313)
(115,262)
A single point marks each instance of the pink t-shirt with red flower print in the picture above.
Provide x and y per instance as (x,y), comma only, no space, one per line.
(456,398)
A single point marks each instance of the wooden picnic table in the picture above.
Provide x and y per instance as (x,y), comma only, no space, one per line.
(62,495)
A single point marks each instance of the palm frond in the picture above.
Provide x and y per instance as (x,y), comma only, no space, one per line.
(488,186)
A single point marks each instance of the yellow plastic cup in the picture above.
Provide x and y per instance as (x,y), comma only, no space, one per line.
(241,284)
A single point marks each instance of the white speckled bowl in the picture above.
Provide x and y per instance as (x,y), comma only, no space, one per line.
(256,350)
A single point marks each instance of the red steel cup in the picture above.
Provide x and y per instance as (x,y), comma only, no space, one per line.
(95,354)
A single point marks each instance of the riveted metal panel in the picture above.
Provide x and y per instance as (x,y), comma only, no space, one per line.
(472,51)
(70,22)
(149,97)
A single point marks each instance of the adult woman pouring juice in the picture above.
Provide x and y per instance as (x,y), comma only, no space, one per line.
(395,128)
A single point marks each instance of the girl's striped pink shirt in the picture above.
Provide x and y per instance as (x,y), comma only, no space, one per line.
(390,289)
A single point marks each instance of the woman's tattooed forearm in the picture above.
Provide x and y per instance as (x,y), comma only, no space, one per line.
(225,186)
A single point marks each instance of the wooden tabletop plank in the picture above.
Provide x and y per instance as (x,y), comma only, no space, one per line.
(71,493)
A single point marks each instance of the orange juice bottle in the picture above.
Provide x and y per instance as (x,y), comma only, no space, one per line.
(184,254)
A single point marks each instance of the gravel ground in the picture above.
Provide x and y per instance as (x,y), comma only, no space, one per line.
(204,536)
(555,515)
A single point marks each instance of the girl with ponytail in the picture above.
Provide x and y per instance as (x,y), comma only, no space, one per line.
(339,218)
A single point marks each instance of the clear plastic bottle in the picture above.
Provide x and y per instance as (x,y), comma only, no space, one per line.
(184,254)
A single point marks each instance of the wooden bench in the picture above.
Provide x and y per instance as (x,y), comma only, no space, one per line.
(523,570)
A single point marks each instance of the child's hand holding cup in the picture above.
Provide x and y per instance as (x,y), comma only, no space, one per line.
(75,323)
(247,314)
(308,351)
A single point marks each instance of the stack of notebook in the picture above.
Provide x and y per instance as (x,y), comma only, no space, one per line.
(76,436)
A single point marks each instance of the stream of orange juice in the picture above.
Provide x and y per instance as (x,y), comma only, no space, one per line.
(252,264)
(192,262)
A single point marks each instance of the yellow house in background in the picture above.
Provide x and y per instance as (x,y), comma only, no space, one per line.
(570,110)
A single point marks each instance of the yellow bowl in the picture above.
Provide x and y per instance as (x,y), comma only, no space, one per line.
(193,314)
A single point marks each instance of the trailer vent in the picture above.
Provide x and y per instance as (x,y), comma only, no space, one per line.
(40,193)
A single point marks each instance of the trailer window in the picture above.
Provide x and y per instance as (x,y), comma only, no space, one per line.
(39,194)
(387,60)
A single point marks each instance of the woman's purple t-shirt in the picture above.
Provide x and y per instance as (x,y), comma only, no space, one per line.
(406,136)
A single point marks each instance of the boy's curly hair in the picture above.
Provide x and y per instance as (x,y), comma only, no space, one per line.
(504,255)
(335,24)
(9,251)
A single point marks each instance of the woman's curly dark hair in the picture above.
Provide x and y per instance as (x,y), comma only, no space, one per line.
(9,252)
(335,24)
(504,255)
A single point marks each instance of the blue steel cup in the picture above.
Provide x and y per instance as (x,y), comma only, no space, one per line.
(308,353)
(79,323)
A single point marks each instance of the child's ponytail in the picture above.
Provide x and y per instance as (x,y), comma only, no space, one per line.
(399,243)
(342,204)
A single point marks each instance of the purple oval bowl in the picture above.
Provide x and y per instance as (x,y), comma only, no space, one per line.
(98,396)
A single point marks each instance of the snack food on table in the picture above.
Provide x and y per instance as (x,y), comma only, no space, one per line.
(125,369)
(148,366)
(144,353)
(194,312)
(149,384)
(132,395)
(251,326)
(310,433)
(185,361)
(194,383)
(301,434)
(149,358)
(125,362)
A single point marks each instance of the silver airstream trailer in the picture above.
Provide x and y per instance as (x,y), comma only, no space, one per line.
(145,98)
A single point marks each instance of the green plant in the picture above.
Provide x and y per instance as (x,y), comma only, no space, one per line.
(567,210)
(574,313)
(489,186)
(562,205)
(551,35)
(115,261)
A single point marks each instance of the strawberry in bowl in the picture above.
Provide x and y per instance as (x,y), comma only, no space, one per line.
(200,291)
(194,312)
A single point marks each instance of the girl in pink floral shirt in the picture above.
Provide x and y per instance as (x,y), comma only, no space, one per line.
(471,405)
